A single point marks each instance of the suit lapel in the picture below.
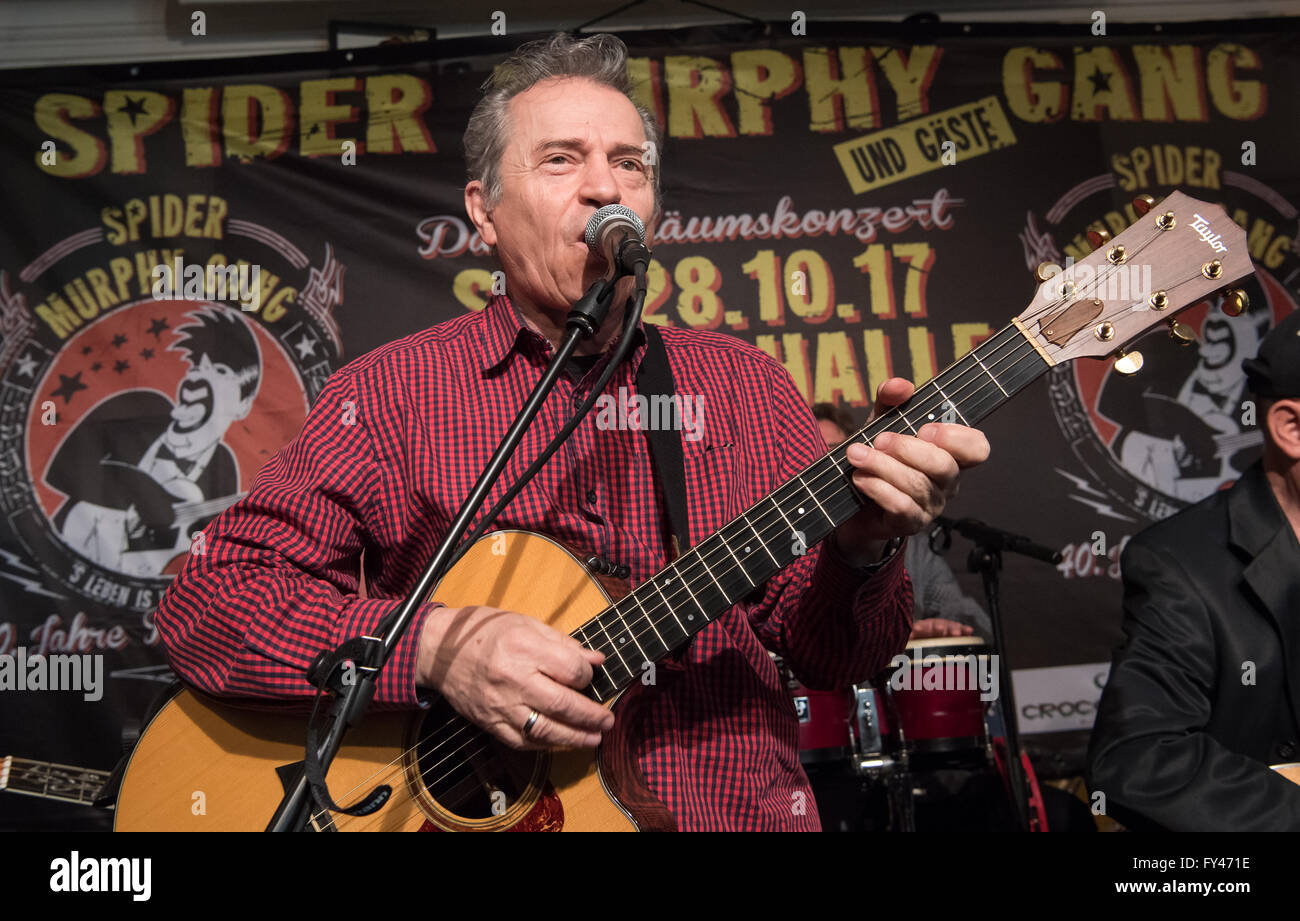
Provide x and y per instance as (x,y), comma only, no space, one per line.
(1272,575)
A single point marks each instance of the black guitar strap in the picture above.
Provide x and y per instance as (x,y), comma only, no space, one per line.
(654,377)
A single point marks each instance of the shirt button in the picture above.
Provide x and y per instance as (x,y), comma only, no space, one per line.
(591,497)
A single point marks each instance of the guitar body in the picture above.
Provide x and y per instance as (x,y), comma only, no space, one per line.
(204,765)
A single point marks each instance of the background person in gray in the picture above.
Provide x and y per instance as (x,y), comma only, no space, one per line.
(942,608)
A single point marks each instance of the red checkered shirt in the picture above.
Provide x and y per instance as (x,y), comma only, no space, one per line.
(387,454)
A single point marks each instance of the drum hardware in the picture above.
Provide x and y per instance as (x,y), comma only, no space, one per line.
(866,739)
(896,740)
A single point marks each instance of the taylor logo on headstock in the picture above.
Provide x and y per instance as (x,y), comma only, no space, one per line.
(1202,227)
(1152,442)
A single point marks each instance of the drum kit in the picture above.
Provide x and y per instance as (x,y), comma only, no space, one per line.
(874,751)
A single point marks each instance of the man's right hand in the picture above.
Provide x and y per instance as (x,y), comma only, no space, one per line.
(495,667)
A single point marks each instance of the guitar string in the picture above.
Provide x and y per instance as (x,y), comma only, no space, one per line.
(1017,351)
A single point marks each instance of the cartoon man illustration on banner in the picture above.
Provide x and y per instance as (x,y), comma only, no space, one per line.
(142,473)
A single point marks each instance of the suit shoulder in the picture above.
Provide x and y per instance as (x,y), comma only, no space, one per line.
(1190,532)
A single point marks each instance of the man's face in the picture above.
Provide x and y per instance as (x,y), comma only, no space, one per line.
(207,401)
(573,146)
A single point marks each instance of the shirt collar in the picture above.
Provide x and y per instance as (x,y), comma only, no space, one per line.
(504,333)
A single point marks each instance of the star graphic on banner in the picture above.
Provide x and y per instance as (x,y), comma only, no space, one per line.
(158,327)
(96,366)
(86,350)
(26,365)
(118,341)
(306,347)
(1100,81)
(146,354)
(68,386)
(133,108)
(121,366)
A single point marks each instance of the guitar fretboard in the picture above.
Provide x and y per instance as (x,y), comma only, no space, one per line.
(51,781)
(666,610)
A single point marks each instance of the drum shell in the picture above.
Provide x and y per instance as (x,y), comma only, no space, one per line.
(949,715)
(823,723)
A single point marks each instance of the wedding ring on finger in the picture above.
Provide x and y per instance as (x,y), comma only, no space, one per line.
(533,716)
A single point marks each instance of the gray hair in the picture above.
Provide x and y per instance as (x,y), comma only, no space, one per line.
(601,58)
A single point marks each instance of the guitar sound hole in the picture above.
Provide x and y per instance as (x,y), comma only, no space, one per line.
(468,772)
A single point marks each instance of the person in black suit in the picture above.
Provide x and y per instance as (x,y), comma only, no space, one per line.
(1204,695)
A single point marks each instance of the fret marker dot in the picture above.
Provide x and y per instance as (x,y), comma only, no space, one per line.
(931,416)
(800,510)
(622,639)
(746,549)
(690,617)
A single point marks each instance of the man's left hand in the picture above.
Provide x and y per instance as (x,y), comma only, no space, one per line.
(939,626)
(908,478)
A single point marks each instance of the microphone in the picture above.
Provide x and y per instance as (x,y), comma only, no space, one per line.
(618,236)
(981,533)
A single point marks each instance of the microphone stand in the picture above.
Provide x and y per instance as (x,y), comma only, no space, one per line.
(351,671)
(986,559)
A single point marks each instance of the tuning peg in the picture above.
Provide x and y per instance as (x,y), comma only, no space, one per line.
(1143,203)
(1046,270)
(1128,363)
(1180,334)
(1098,238)
(1235,301)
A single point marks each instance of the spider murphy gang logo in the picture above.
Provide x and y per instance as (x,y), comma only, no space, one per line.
(133,413)
(1184,426)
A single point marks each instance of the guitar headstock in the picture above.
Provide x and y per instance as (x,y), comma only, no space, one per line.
(1178,252)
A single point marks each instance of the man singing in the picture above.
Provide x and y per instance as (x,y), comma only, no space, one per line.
(397,438)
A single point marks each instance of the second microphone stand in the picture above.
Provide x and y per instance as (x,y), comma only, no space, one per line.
(986,559)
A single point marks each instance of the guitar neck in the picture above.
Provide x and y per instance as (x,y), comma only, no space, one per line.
(665,611)
(47,780)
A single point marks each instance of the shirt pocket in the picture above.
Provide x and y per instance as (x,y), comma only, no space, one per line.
(711,480)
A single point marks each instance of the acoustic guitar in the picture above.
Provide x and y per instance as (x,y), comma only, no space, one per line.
(205,765)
